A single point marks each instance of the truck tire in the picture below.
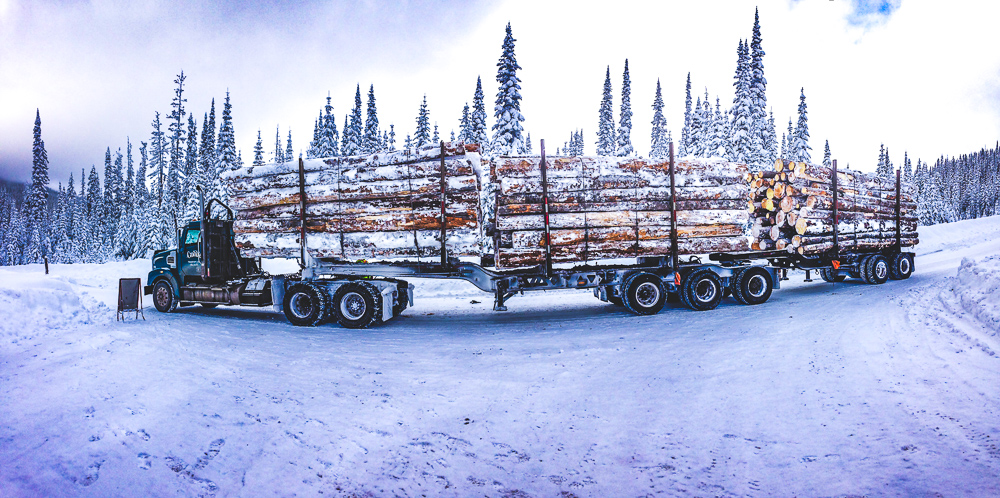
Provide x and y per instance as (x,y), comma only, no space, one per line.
(643,294)
(753,286)
(163,296)
(831,275)
(357,305)
(734,285)
(879,272)
(901,267)
(864,267)
(702,290)
(306,304)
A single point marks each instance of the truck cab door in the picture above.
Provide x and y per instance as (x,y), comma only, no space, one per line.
(190,255)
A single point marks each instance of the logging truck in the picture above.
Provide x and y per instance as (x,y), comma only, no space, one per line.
(209,266)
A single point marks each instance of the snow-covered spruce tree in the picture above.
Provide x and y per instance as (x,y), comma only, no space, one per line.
(372,142)
(740,141)
(227,159)
(175,172)
(329,137)
(686,130)
(392,137)
(801,143)
(353,131)
(192,171)
(625,117)
(527,144)
(784,148)
(477,120)
(720,131)
(827,157)
(125,236)
(408,144)
(208,157)
(465,125)
(94,205)
(105,215)
(435,138)
(422,136)
(880,167)
(760,156)
(142,206)
(345,137)
(696,138)
(508,133)
(658,146)
(790,143)
(37,196)
(69,231)
(772,138)
(279,150)
(606,141)
(258,151)
(452,135)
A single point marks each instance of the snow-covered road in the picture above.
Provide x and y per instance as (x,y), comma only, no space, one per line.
(826,390)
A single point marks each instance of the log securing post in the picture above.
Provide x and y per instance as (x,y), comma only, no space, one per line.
(899,233)
(444,216)
(673,218)
(545,210)
(836,219)
(302,213)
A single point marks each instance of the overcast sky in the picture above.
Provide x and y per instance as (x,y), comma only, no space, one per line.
(920,76)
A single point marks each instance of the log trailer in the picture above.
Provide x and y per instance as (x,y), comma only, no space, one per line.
(207,269)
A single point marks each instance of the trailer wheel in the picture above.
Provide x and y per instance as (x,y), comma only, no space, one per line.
(734,285)
(864,269)
(306,304)
(831,275)
(643,294)
(163,297)
(357,305)
(901,267)
(702,290)
(754,286)
(879,272)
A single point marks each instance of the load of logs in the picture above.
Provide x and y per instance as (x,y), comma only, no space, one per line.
(608,208)
(381,206)
(792,208)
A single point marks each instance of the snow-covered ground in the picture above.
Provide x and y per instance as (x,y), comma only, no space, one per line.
(826,390)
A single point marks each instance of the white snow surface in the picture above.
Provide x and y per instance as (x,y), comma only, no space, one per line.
(826,390)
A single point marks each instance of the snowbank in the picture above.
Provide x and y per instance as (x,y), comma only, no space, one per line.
(945,236)
(31,303)
(978,289)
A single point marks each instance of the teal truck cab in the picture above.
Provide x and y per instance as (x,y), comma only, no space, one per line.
(207,269)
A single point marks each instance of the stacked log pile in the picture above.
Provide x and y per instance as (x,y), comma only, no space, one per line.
(792,210)
(608,208)
(380,206)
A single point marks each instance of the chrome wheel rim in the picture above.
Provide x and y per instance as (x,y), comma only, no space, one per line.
(757,286)
(647,294)
(881,269)
(705,290)
(904,266)
(301,305)
(353,306)
(162,297)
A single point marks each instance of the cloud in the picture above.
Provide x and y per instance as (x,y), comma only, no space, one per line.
(869,13)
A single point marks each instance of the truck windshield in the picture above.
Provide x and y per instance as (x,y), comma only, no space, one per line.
(192,237)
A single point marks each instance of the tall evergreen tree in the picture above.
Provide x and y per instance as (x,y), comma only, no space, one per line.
(175,172)
(606,120)
(353,132)
(37,197)
(227,158)
(208,156)
(508,133)
(158,171)
(696,132)
(193,177)
(477,120)
(827,158)
(659,147)
(258,152)
(801,143)
(423,135)
(625,116)
(759,131)
(741,142)
(464,125)
(372,142)
(345,137)
(720,132)
(686,130)
(392,137)
(279,151)
(329,137)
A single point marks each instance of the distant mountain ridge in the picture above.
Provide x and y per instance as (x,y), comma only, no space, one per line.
(17,189)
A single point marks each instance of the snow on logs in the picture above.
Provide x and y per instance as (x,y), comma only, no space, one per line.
(381,206)
(792,209)
(607,207)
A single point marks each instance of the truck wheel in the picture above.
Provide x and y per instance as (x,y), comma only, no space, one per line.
(864,269)
(643,294)
(879,272)
(163,297)
(901,267)
(734,285)
(305,304)
(754,285)
(615,300)
(702,290)
(831,275)
(357,305)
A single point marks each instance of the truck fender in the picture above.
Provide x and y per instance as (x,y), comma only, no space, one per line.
(156,276)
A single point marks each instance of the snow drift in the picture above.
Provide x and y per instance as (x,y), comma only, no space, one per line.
(978,289)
